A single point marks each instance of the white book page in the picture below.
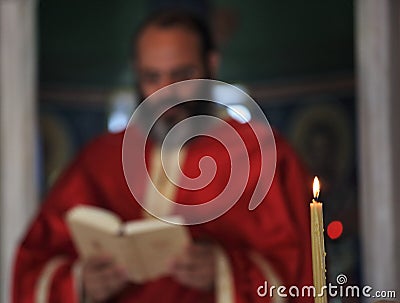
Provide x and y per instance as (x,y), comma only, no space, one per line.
(151,224)
(94,217)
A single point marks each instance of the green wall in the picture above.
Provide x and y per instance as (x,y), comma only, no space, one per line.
(85,43)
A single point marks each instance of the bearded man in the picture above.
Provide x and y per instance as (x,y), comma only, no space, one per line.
(230,257)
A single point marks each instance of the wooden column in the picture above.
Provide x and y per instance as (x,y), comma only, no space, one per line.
(378,71)
(18,190)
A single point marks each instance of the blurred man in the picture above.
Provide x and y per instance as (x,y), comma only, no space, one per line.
(230,256)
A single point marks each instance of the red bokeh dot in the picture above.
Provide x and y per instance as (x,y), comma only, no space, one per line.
(335,229)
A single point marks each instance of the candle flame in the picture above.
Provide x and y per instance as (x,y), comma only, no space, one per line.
(316,188)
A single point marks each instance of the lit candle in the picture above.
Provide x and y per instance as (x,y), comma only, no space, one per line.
(318,247)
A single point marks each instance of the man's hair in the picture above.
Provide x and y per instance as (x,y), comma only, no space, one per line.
(177,19)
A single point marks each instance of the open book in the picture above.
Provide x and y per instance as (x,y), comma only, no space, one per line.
(144,247)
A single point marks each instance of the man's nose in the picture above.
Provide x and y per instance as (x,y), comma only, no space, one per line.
(166,80)
(168,95)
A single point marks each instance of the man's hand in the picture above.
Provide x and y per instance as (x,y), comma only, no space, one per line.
(196,266)
(102,278)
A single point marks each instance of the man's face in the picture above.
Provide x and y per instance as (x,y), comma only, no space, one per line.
(165,56)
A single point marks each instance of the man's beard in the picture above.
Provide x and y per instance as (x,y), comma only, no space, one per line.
(176,114)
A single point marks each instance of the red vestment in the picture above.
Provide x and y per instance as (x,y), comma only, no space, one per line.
(278,229)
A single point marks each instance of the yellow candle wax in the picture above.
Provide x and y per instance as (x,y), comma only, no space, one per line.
(318,247)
